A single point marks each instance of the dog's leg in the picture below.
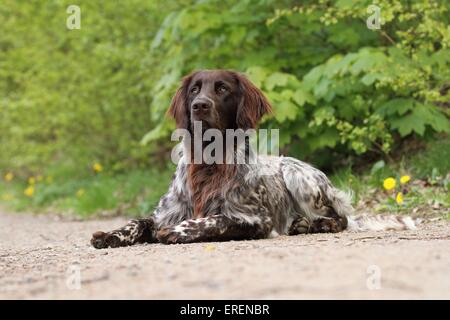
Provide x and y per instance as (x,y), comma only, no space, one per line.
(214,228)
(135,231)
(331,222)
(299,226)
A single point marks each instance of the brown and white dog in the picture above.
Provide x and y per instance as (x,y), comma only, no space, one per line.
(231,201)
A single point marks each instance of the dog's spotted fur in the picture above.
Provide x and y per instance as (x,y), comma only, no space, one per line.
(275,195)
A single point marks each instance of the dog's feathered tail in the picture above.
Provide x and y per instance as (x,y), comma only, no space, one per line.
(365,222)
(380,223)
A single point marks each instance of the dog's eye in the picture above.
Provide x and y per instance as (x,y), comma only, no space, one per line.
(222,89)
(195,90)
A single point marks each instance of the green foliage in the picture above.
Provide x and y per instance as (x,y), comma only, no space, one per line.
(435,161)
(427,193)
(135,193)
(69,98)
(76,96)
(333,82)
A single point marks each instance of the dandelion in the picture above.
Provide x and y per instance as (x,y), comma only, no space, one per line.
(399,198)
(97,167)
(389,183)
(31,181)
(80,193)
(29,192)
(405,179)
(9,176)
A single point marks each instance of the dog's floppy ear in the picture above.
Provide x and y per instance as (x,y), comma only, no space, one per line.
(253,104)
(178,108)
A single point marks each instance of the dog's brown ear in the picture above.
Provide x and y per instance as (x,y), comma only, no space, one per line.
(253,104)
(178,107)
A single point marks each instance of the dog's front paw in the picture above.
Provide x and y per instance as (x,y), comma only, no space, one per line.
(299,226)
(101,240)
(325,225)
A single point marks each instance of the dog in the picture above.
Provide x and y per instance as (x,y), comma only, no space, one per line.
(236,201)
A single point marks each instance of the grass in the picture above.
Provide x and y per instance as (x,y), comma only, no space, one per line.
(427,193)
(86,193)
(134,193)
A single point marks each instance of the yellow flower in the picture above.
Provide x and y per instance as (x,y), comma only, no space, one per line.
(29,191)
(80,192)
(405,179)
(39,178)
(97,167)
(210,247)
(9,176)
(389,183)
(31,180)
(399,198)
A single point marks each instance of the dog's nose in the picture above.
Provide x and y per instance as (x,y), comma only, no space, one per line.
(201,106)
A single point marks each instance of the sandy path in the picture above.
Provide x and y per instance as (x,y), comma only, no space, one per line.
(42,257)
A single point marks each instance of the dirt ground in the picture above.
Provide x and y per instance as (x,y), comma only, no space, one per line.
(46,257)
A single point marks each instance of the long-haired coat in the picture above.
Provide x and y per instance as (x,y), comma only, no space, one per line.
(230,201)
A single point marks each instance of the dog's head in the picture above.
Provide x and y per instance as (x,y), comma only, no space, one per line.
(220,99)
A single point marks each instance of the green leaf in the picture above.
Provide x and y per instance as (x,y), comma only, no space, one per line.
(397,106)
(377,167)
(257,75)
(322,88)
(301,96)
(286,94)
(344,4)
(370,78)
(160,131)
(421,116)
(162,30)
(328,138)
(276,79)
(367,59)
(311,78)
(413,122)
(285,110)
(436,119)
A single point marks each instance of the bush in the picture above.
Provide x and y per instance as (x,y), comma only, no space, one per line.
(76,96)
(335,84)
(338,88)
